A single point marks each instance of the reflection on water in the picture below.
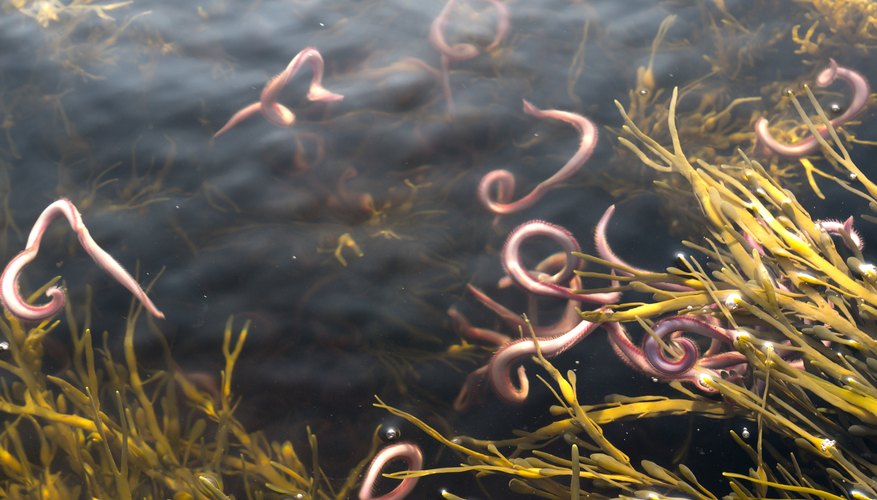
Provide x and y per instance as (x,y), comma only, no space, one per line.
(340,240)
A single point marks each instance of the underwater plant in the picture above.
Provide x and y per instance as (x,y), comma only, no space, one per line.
(105,428)
(48,11)
(770,320)
(793,318)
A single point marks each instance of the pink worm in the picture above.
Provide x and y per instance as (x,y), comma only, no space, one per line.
(408,452)
(457,52)
(842,229)
(473,389)
(511,261)
(465,51)
(635,358)
(861,90)
(567,320)
(500,365)
(465,329)
(605,252)
(689,357)
(277,113)
(462,51)
(9,293)
(505,180)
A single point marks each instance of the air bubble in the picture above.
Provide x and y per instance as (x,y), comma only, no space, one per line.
(391,433)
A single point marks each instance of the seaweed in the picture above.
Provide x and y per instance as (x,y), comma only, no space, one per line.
(803,310)
(106,428)
(796,293)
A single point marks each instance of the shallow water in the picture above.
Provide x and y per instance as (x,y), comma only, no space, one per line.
(119,115)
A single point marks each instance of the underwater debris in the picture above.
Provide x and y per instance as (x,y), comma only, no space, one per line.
(346,241)
(48,11)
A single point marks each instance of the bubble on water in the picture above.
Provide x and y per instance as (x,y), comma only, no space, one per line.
(391,433)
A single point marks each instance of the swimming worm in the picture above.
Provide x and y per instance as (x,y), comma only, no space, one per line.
(844,230)
(690,354)
(511,261)
(860,89)
(9,287)
(634,357)
(499,368)
(605,251)
(277,113)
(413,457)
(505,180)
(462,51)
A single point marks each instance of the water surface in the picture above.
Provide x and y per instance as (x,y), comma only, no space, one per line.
(118,115)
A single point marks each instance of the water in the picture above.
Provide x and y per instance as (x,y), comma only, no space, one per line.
(118,116)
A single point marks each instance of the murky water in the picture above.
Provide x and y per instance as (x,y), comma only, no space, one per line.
(345,238)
